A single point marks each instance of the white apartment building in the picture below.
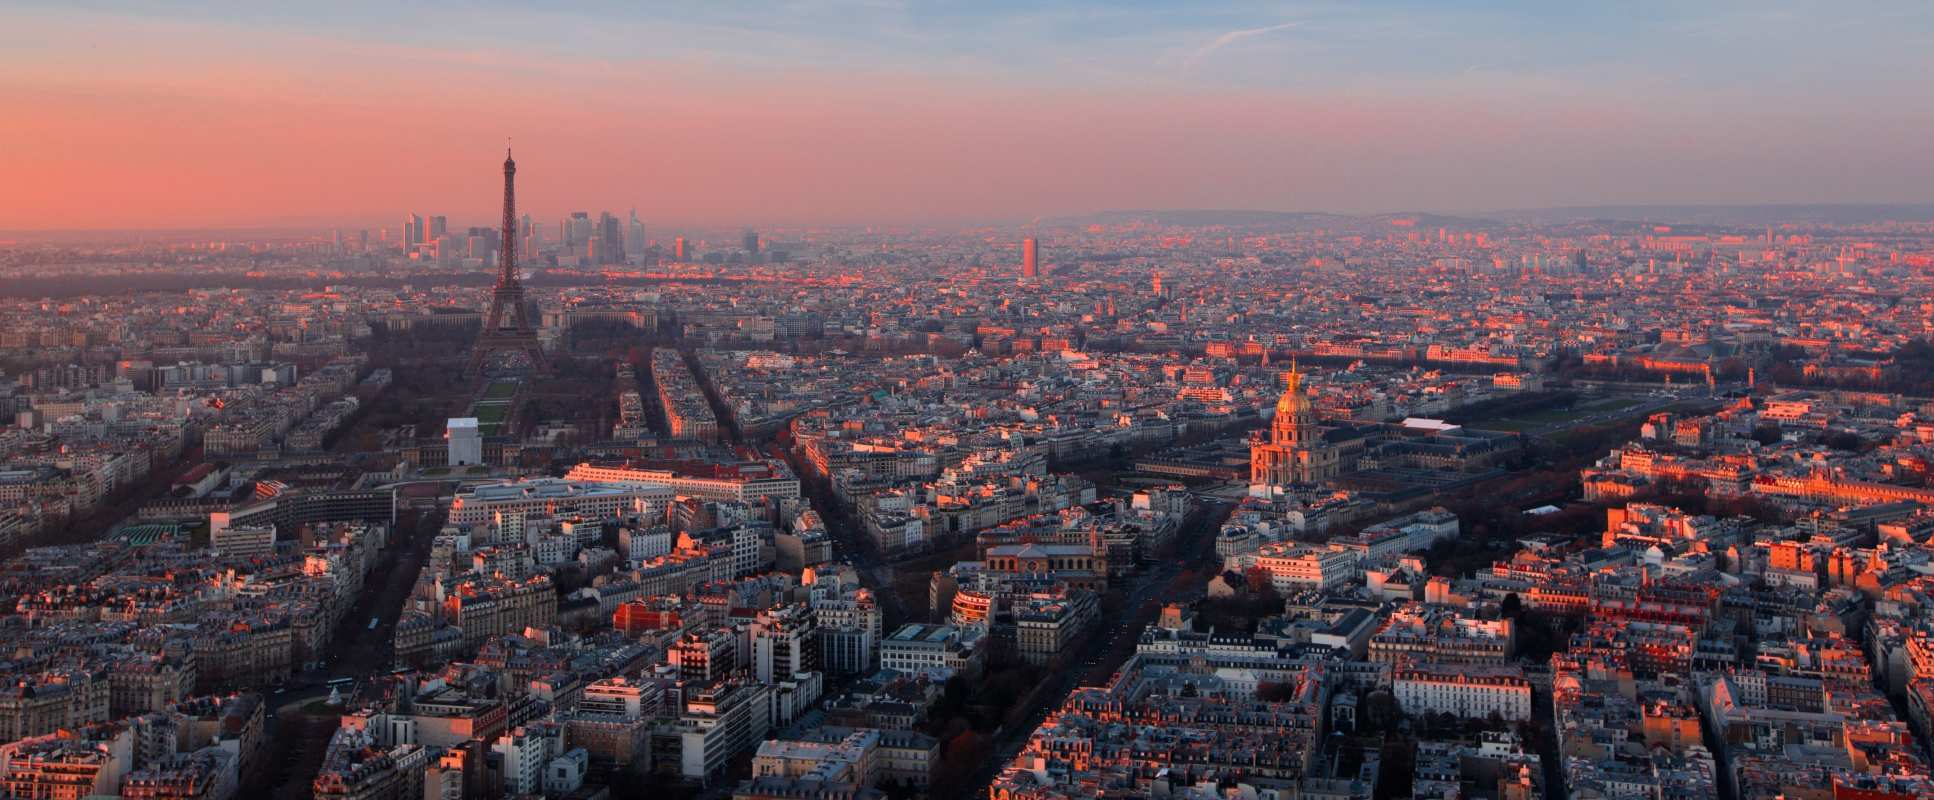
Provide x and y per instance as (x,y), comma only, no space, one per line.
(1297,567)
(1464,690)
(523,756)
(244,541)
(932,649)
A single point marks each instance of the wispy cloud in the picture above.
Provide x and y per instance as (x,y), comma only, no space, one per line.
(1228,39)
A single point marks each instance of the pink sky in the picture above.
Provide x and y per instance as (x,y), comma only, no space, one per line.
(297,129)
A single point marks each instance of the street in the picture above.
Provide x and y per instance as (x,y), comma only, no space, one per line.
(297,738)
(1115,642)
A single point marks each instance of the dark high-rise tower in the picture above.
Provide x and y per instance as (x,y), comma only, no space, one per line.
(507,329)
(1030,258)
(612,240)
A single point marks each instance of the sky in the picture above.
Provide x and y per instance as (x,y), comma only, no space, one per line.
(239,114)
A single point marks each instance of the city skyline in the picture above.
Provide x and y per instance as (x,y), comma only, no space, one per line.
(1190,505)
(923,400)
(218,115)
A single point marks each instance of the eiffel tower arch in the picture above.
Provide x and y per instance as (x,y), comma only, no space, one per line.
(508,340)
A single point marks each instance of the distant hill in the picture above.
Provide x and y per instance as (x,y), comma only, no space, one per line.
(1202,217)
(1750,215)
(1715,216)
(1242,218)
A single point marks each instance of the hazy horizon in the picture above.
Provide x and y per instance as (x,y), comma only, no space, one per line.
(228,115)
(1662,213)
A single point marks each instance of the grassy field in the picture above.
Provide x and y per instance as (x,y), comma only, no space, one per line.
(491,417)
(500,390)
(1522,422)
(1550,416)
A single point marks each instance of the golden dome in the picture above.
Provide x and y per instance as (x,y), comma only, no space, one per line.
(1293,399)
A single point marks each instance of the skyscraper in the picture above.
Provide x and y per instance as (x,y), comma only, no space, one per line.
(1030,258)
(613,239)
(412,230)
(750,242)
(479,243)
(577,230)
(678,249)
(634,237)
(439,226)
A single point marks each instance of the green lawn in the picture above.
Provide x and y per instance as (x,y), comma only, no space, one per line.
(500,390)
(491,417)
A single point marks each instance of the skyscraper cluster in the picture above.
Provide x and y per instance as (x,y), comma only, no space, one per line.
(428,239)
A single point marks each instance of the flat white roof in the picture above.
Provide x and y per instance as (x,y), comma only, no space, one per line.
(462,422)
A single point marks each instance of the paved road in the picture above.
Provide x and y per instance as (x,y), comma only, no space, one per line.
(355,651)
(852,545)
(1547,745)
(1148,592)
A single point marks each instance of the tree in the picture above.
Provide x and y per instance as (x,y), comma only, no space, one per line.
(963,745)
(1846,440)
(1274,692)
(1511,606)
(1257,578)
(1378,710)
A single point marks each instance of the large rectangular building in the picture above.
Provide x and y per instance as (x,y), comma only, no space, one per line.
(554,497)
(1464,690)
(748,482)
(1295,567)
(244,541)
(932,649)
(465,441)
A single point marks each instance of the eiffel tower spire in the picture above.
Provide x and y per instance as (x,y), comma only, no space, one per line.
(507,328)
(507,241)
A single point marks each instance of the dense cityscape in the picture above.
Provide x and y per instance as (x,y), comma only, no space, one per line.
(759,401)
(1147,505)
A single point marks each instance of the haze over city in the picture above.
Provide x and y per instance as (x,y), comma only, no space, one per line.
(894,400)
(236,114)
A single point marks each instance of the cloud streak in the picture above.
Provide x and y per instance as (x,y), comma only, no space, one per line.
(1228,39)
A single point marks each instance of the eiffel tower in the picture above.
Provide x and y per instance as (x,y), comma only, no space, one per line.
(507,333)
